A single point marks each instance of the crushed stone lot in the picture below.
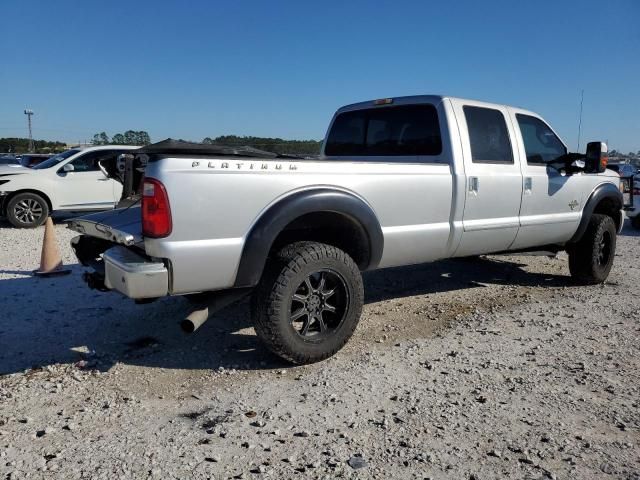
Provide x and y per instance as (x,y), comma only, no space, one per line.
(497,367)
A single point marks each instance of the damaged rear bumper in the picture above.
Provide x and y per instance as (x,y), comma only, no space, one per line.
(125,270)
(113,247)
(134,275)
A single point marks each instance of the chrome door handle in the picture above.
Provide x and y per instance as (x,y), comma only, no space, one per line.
(474,183)
(528,184)
(103,179)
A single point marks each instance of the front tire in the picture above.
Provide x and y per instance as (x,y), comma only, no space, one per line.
(27,210)
(591,259)
(308,303)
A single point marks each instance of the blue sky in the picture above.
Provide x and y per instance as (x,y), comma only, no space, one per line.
(199,68)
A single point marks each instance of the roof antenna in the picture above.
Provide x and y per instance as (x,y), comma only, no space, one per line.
(580,119)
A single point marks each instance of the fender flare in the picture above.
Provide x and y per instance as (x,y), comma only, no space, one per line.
(601,192)
(260,238)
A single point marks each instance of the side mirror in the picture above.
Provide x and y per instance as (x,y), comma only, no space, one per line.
(68,168)
(578,165)
(597,157)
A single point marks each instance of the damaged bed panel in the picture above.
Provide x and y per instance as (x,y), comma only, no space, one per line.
(121,226)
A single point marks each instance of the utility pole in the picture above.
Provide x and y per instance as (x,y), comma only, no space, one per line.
(28,112)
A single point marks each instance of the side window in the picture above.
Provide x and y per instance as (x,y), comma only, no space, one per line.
(541,145)
(408,130)
(347,134)
(488,135)
(89,161)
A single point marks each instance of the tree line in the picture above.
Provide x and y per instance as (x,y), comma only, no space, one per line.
(21,145)
(275,145)
(130,137)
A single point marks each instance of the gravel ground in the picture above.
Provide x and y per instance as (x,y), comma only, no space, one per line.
(493,368)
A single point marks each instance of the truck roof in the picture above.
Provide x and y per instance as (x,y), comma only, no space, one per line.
(412,100)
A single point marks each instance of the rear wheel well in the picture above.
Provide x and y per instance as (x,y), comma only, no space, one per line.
(610,207)
(27,190)
(332,228)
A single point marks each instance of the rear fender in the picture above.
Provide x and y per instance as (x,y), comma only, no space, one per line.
(261,237)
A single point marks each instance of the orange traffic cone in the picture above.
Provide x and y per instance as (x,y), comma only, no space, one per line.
(50,261)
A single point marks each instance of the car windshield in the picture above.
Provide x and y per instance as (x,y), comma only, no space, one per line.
(56,159)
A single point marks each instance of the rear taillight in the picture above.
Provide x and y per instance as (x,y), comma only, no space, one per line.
(156,213)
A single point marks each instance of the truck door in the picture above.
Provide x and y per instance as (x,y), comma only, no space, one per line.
(493,179)
(551,201)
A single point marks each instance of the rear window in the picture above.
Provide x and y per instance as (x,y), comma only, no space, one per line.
(388,131)
(488,135)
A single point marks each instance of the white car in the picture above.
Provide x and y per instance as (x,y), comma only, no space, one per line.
(69,181)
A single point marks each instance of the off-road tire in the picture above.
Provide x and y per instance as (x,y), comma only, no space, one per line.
(588,263)
(16,208)
(635,222)
(272,301)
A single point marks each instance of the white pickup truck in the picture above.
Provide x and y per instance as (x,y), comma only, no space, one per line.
(399,181)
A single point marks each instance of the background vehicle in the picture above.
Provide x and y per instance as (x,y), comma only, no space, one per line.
(633,212)
(68,181)
(626,172)
(623,169)
(9,159)
(401,181)
(30,160)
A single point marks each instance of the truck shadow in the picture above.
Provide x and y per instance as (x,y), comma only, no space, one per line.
(59,320)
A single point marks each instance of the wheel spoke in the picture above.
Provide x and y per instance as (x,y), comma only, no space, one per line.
(307,282)
(299,313)
(300,298)
(305,328)
(323,326)
(323,280)
(328,293)
(329,308)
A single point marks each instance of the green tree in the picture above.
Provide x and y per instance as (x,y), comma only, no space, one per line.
(21,145)
(143,138)
(130,137)
(118,139)
(100,139)
(276,145)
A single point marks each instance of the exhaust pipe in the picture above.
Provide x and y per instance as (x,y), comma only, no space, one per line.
(195,320)
(212,303)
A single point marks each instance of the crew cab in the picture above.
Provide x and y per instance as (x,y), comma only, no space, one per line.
(400,181)
(69,181)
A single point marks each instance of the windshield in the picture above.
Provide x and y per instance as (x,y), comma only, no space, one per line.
(56,159)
